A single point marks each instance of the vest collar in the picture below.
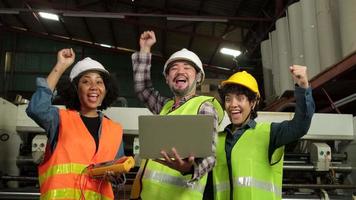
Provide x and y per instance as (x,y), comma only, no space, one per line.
(181,102)
(101,114)
(250,124)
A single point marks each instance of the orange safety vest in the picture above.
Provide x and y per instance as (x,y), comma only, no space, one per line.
(61,176)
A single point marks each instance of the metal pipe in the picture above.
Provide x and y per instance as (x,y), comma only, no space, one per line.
(18,178)
(295,162)
(334,156)
(24,160)
(299,167)
(319,186)
(19,195)
(314,196)
(312,168)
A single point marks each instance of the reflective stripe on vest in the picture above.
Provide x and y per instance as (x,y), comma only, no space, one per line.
(262,185)
(222,186)
(172,180)
(75,193)
(160,181)
(62,169)
(253,175)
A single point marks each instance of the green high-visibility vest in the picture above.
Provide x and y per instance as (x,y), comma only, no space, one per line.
(253,176)
(162,182)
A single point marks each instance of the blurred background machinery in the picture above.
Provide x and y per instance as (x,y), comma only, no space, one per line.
(322,165)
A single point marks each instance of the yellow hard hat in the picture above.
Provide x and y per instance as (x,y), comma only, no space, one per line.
(245,79)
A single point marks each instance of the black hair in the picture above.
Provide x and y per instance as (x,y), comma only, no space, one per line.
(239,90)
(68,95)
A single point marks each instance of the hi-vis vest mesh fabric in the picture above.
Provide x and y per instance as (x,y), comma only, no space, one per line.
(161,182)
(61,176)
(253,177)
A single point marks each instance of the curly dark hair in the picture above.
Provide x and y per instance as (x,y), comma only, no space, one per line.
(67,92)
(239,89)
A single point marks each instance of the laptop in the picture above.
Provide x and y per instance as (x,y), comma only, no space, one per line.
(189,134)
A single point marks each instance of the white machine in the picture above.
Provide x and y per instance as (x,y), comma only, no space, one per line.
(322,165)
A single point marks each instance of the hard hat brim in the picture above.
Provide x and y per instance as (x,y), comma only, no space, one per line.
(223,83)
(104,71)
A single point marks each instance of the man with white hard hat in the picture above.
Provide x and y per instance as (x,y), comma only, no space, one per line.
(178,178)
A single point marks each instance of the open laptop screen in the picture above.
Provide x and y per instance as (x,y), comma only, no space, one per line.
(189,134)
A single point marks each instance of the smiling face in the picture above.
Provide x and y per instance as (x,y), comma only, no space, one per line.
(91,92)
(238,108)
(182,78)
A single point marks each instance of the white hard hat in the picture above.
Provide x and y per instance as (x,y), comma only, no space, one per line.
(85,65)
(187,55)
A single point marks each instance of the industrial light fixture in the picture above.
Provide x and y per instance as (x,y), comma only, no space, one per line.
(222,68)
(50,16)
(93,14)
(105,45)
(232,52)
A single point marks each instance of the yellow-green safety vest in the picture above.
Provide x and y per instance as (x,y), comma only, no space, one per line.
(162,182)
(253,176)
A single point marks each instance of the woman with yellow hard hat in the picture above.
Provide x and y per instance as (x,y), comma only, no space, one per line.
(249,154)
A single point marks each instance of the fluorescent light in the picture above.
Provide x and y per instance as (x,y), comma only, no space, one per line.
(196,19)
(50,16)
(231,52)
(8,11)
(222,68)
(105,45)
(94,14)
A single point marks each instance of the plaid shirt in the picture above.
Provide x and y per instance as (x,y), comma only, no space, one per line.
(141,63)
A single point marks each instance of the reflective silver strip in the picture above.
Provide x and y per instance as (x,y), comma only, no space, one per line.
(222,186)
(251,182)
(168,179)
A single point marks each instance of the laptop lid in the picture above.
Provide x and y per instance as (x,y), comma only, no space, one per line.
(189,134)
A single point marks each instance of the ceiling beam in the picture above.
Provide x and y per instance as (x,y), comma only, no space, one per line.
(217,46)
(164,34)
(65,28)
(111,24)
(179,17)
(119,50)
(67,39)
(226,31)
(18,18)
(91,35)
(87,4)
(186,33)
(336,70)
(38,19)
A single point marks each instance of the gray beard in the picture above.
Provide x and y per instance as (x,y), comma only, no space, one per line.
(185,92)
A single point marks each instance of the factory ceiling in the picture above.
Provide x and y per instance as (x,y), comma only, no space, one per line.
(203,26)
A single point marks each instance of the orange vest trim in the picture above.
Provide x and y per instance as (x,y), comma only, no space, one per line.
(75,150)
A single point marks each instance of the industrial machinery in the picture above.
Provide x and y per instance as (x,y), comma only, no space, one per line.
(322,165)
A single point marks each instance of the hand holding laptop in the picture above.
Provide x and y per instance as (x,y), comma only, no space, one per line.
(174,161)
